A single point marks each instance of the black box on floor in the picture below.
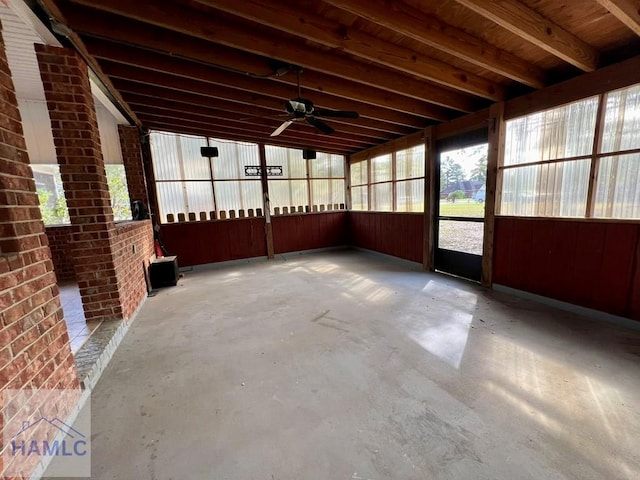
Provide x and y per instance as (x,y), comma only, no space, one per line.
(163,272)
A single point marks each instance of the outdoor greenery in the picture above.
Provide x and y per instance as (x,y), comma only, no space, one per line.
(455,195)
(465,208)
(53,211)
(451,172)
(53,205)
(479,172)
(119,192)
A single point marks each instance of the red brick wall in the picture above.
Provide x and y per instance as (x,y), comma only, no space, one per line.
(134,168)
(77,140)
(133,247)
(34,343)
(60,245)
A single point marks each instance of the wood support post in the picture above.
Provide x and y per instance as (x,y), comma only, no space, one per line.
(495,157)
(265,196)
(430,197)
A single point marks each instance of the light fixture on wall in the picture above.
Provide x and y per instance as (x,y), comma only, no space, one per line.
(309,154)
(209,151)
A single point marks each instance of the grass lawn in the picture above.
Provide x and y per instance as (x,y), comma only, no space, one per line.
(462,208)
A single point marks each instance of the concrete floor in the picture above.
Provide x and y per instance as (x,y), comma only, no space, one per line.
(345,365)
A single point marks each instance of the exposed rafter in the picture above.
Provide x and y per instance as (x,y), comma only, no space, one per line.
(233,34)
(143,103)
(263,126)
(290,18)
(133,32)
(234,100)
(403,65)
(149,77)
(345,90)
(429,31)
(533,27)
(627,11)
(56,15)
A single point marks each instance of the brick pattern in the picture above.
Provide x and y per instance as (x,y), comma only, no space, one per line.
(60,245)
(77,141)
(133,251)
(34,343)
(133,164)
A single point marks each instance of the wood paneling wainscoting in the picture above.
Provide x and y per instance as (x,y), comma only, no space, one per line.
(595,264)
(397,234)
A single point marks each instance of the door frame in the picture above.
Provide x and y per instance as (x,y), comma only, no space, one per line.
(462,264)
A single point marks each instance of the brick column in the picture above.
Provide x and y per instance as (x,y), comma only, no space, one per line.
(133,166)
(75,132)
(34,343)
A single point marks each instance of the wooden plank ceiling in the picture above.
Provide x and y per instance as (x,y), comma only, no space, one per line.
(226,68)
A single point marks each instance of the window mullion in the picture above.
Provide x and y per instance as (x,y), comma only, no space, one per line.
(595,159)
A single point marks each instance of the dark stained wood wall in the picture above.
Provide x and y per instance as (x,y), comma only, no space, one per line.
(292,233)
(397,234)
(198,243)
(592,264)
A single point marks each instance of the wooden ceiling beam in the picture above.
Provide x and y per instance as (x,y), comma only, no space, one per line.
(433,33)
(164,63)
(236,100)
(256,133)
(292,19)
(54,14)
(340,135)
(233,34)
(132,32)
(115,70)
(109,45)
(143,103)
(627,11)
(533,27)
(234,136)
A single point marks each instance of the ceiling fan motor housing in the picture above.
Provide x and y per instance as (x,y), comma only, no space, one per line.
(299,107)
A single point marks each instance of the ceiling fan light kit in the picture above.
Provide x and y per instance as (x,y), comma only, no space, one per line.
(303,109)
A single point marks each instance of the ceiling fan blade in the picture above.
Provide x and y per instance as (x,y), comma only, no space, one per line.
(320,125)
(336,113)
(281,128)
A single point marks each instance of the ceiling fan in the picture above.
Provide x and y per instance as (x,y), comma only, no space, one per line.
(302,109)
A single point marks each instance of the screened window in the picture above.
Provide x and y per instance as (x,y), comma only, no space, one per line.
(305,185)
(391,182)
(290,192)
(183,176)
(547,161)
(381,190)
(236,194)
(617,189)
(359,187)
(409,185)
(550,156)
(192,187)
(327,183)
